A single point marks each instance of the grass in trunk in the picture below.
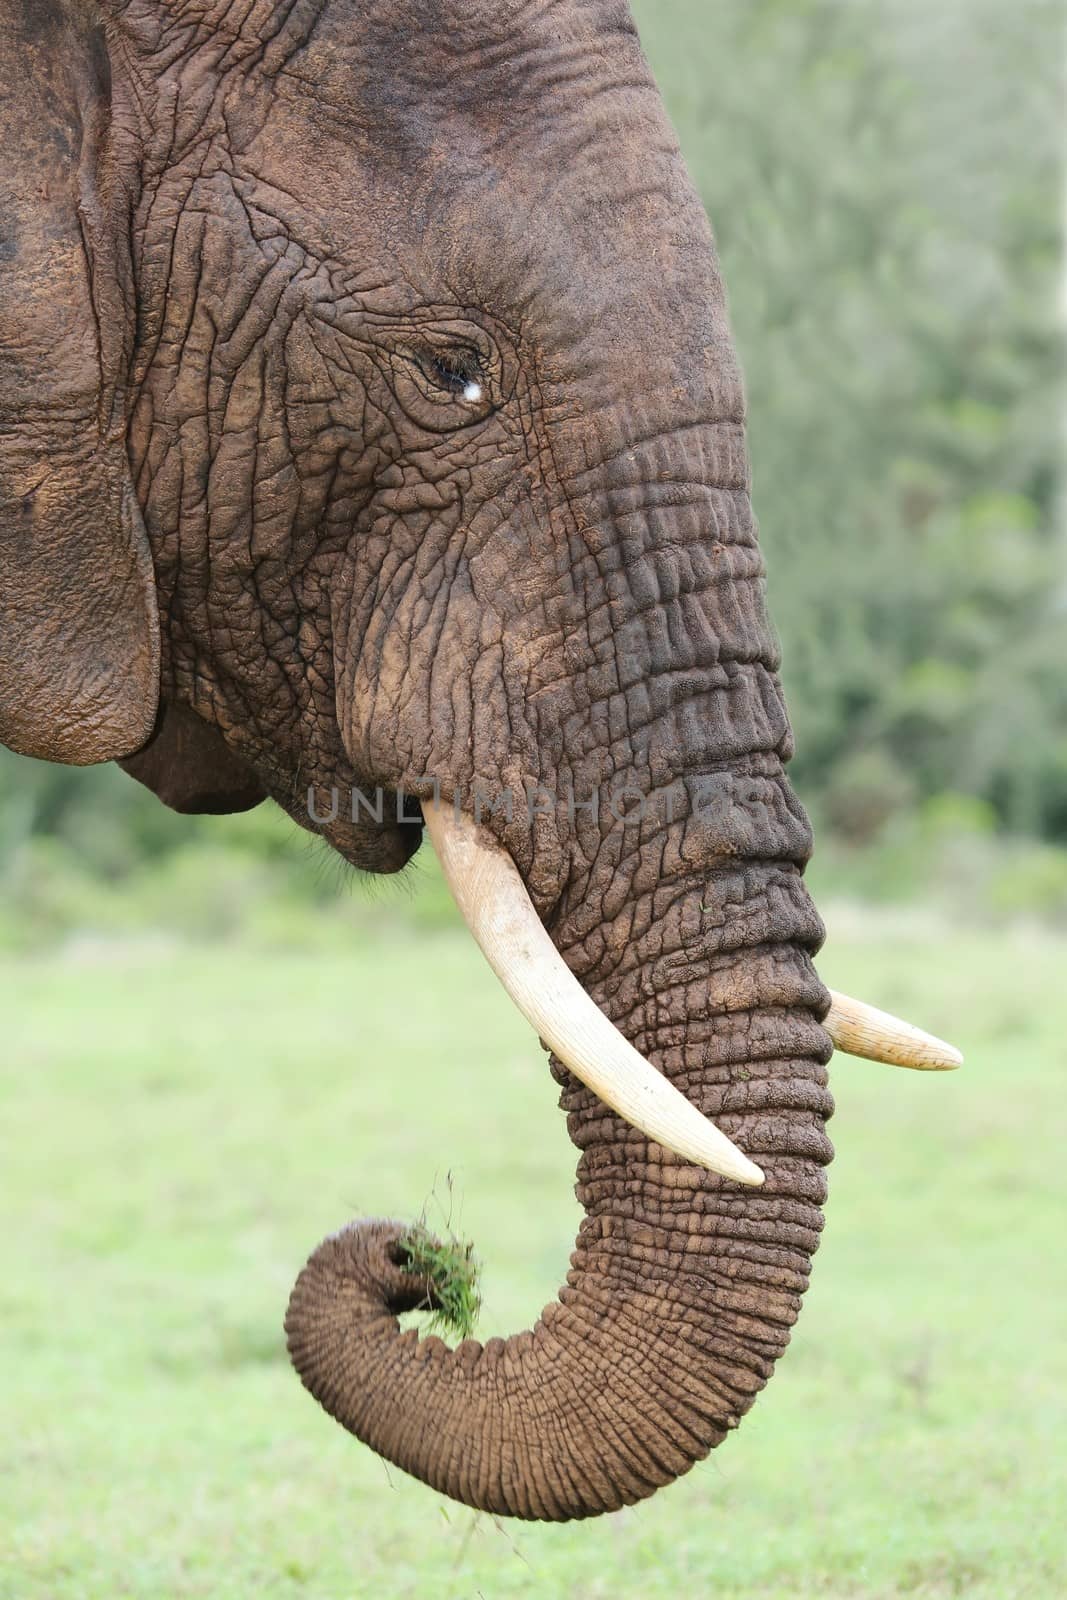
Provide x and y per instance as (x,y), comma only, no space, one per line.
(451,1269)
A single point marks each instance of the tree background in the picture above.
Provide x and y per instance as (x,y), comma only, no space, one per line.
(886,186)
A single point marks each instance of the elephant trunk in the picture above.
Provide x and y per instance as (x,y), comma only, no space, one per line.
(683,1285)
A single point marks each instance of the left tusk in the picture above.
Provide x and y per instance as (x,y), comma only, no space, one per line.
(500,914)
(862,1030)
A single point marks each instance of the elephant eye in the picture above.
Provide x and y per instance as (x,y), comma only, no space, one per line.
(456,372)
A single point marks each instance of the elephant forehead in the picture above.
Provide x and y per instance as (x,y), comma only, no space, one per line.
(516,158)
(467,55)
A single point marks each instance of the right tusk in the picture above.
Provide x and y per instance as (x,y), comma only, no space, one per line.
(496,907)
(858,1029)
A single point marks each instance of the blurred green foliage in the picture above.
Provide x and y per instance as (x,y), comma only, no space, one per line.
(885,184)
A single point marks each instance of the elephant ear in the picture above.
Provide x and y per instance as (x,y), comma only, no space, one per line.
(79,630)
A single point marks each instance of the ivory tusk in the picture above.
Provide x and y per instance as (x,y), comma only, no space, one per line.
(496,907)
(862,1030)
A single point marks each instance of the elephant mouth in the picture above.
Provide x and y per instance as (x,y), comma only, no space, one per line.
(377,830)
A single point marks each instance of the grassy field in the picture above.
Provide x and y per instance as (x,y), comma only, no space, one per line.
(179,1127)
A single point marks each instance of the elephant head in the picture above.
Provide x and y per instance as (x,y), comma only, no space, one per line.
(371,427)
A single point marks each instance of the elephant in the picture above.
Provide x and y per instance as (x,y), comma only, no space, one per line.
(370,425)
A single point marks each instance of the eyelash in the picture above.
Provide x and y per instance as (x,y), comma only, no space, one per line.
(455,371)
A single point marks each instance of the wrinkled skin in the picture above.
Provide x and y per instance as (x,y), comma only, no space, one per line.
(258,538)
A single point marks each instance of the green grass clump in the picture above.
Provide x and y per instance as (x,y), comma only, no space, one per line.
(451,1272)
